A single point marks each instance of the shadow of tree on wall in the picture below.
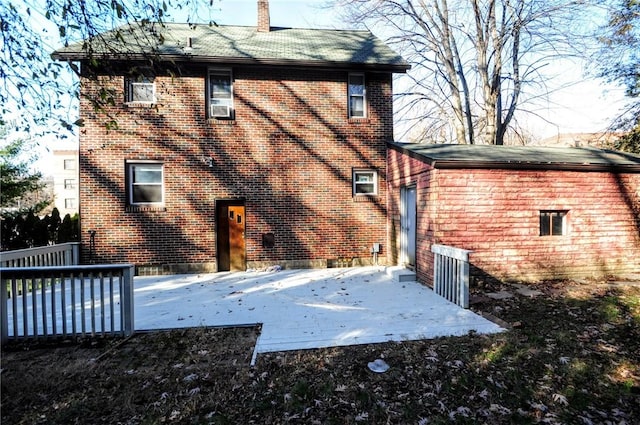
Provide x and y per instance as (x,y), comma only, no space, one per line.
(180,146)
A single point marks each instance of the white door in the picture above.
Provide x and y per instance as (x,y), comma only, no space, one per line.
(408,226)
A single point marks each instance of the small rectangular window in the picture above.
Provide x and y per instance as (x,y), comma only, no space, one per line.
(220,94)
(145,183)
(140,90)
(553,223)
(69,203)
(69,183)
(69,164)
(357,96)
(365,182)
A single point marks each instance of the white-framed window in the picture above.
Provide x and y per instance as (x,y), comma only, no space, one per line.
(220,93)
(145,183)
(140,90)
(365,182)
(357,96)
(553,222)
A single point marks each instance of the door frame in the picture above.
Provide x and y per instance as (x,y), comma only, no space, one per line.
(408,225)
(223,249)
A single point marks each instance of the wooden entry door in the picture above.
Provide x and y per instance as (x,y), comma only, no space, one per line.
(230,230)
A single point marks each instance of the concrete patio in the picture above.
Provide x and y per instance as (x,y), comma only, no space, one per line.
(302,309)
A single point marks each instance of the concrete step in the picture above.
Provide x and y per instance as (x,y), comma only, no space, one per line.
(401,274)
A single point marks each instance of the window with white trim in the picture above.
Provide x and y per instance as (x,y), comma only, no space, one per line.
(365,182)
(140,90)
(145,183)
(220,96)
(357,96)
(553,222)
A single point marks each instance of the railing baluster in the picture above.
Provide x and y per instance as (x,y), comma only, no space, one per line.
(93,304)
(111,307)
(54,324)
(102,318)
(63,303)
(34,306)
(43,297)
(83,325)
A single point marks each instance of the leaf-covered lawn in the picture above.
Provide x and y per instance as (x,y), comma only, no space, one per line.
(574,357)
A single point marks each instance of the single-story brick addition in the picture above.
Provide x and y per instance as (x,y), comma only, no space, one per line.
(526,213)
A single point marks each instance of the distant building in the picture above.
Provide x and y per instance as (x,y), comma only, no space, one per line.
(65,181)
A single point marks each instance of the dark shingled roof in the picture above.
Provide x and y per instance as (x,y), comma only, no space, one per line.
(240,45)
(520,157)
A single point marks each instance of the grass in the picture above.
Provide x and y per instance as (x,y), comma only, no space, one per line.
(574,358)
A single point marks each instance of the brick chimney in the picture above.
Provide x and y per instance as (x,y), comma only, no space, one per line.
(264,23)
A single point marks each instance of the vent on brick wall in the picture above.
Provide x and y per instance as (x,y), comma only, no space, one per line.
(220,111)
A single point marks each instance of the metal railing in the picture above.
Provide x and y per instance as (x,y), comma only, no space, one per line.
(451,274)
(64,254)
(66,301)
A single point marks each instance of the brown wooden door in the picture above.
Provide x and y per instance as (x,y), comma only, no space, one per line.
(230,230)
(236,238)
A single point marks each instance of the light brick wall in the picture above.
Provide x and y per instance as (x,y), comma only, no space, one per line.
(495,214)
(289,153)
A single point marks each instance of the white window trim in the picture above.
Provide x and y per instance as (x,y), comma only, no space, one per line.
(355,183)
(364,95)
(219,71)
(130,82)
(130,184)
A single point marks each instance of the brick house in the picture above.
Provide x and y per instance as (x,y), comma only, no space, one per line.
(526,213)
(226,147)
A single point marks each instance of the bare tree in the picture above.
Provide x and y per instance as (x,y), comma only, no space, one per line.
(37,92)
(472,60)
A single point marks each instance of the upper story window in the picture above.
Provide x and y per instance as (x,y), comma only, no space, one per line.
(220,94)
(357,96)
(553,223)
(140,90)
(69,183)
(365,182)
(145,184)
(69,164)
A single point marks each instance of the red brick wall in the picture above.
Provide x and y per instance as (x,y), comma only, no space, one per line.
(289,153)
(495,214)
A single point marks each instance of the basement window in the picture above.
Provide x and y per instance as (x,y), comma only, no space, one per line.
(365,182)
(553,222)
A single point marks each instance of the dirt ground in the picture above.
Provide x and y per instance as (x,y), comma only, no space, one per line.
(571,355)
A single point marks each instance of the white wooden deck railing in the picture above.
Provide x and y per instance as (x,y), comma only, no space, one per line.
(451,274)
(66,301)
(64,254)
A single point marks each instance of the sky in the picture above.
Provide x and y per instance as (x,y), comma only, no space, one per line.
(585,105)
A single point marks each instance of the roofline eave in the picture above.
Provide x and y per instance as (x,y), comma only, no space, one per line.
(449,164)
(188,58)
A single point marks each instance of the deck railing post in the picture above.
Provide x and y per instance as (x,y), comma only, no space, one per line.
(4,313)
(127,293)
